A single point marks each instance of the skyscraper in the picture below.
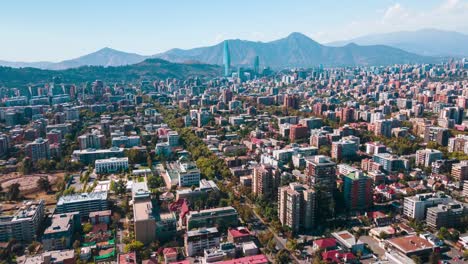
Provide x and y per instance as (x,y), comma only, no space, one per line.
(256,65)
(227,59)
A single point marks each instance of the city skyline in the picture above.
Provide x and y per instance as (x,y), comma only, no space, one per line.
(54,31)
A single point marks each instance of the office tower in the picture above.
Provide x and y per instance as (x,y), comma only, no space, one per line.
(227,59)
(265,180)
(256,65)
(357,191)
(296,206)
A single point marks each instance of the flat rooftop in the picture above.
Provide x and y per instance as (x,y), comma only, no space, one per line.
(81,197)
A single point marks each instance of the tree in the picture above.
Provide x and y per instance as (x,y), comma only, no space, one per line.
(134,246)
(443,233)
(416,259)
(13,192)
(291,244)
(87,227)
(282,257)
(155,182)
(26,166)
(44,184)
(76,244)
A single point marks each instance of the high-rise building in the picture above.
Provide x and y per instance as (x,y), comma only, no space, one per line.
(94,140)
(357,190)
(265,180)
(383,128)
(425,157)
(296,206)
(227,59)
(437,134)
(291,101)
(24,224)
(460,171)
(321,174)
(256,66)
(39,149)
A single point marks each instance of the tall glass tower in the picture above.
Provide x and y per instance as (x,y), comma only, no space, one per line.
(226,59)
(256,65)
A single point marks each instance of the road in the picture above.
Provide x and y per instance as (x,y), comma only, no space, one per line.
(279,241)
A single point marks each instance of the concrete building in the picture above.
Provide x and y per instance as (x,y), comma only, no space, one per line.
(425,157)
(265,180)
(173,138)
(93,140)
(358,191)
(436,134)
(126,142)
(89,156)
(59,234)
(111,165)
(321,171)
(223,217)
(390,163)
(196,241)
(446,215)
(344,149)
(415,206)
(298,132)
(24,224)
(383,128)
(185,171)
(411,245)
(460,171)
(296,207)
(83,203)
(50,257)
(39,149)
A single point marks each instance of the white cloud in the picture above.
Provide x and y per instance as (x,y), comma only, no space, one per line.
(393,12)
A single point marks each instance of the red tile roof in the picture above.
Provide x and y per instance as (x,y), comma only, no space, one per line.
(325,242)
(243,232)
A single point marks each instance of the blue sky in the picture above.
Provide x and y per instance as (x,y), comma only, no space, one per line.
(56,30)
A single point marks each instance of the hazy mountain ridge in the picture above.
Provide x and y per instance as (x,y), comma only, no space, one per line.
(295,50)
(429,42)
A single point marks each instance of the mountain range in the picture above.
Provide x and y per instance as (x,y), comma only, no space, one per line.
(295,50)
(428,42)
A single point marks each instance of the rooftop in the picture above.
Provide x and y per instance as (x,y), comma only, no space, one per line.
(60,223)
(409,244)
(80,197)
